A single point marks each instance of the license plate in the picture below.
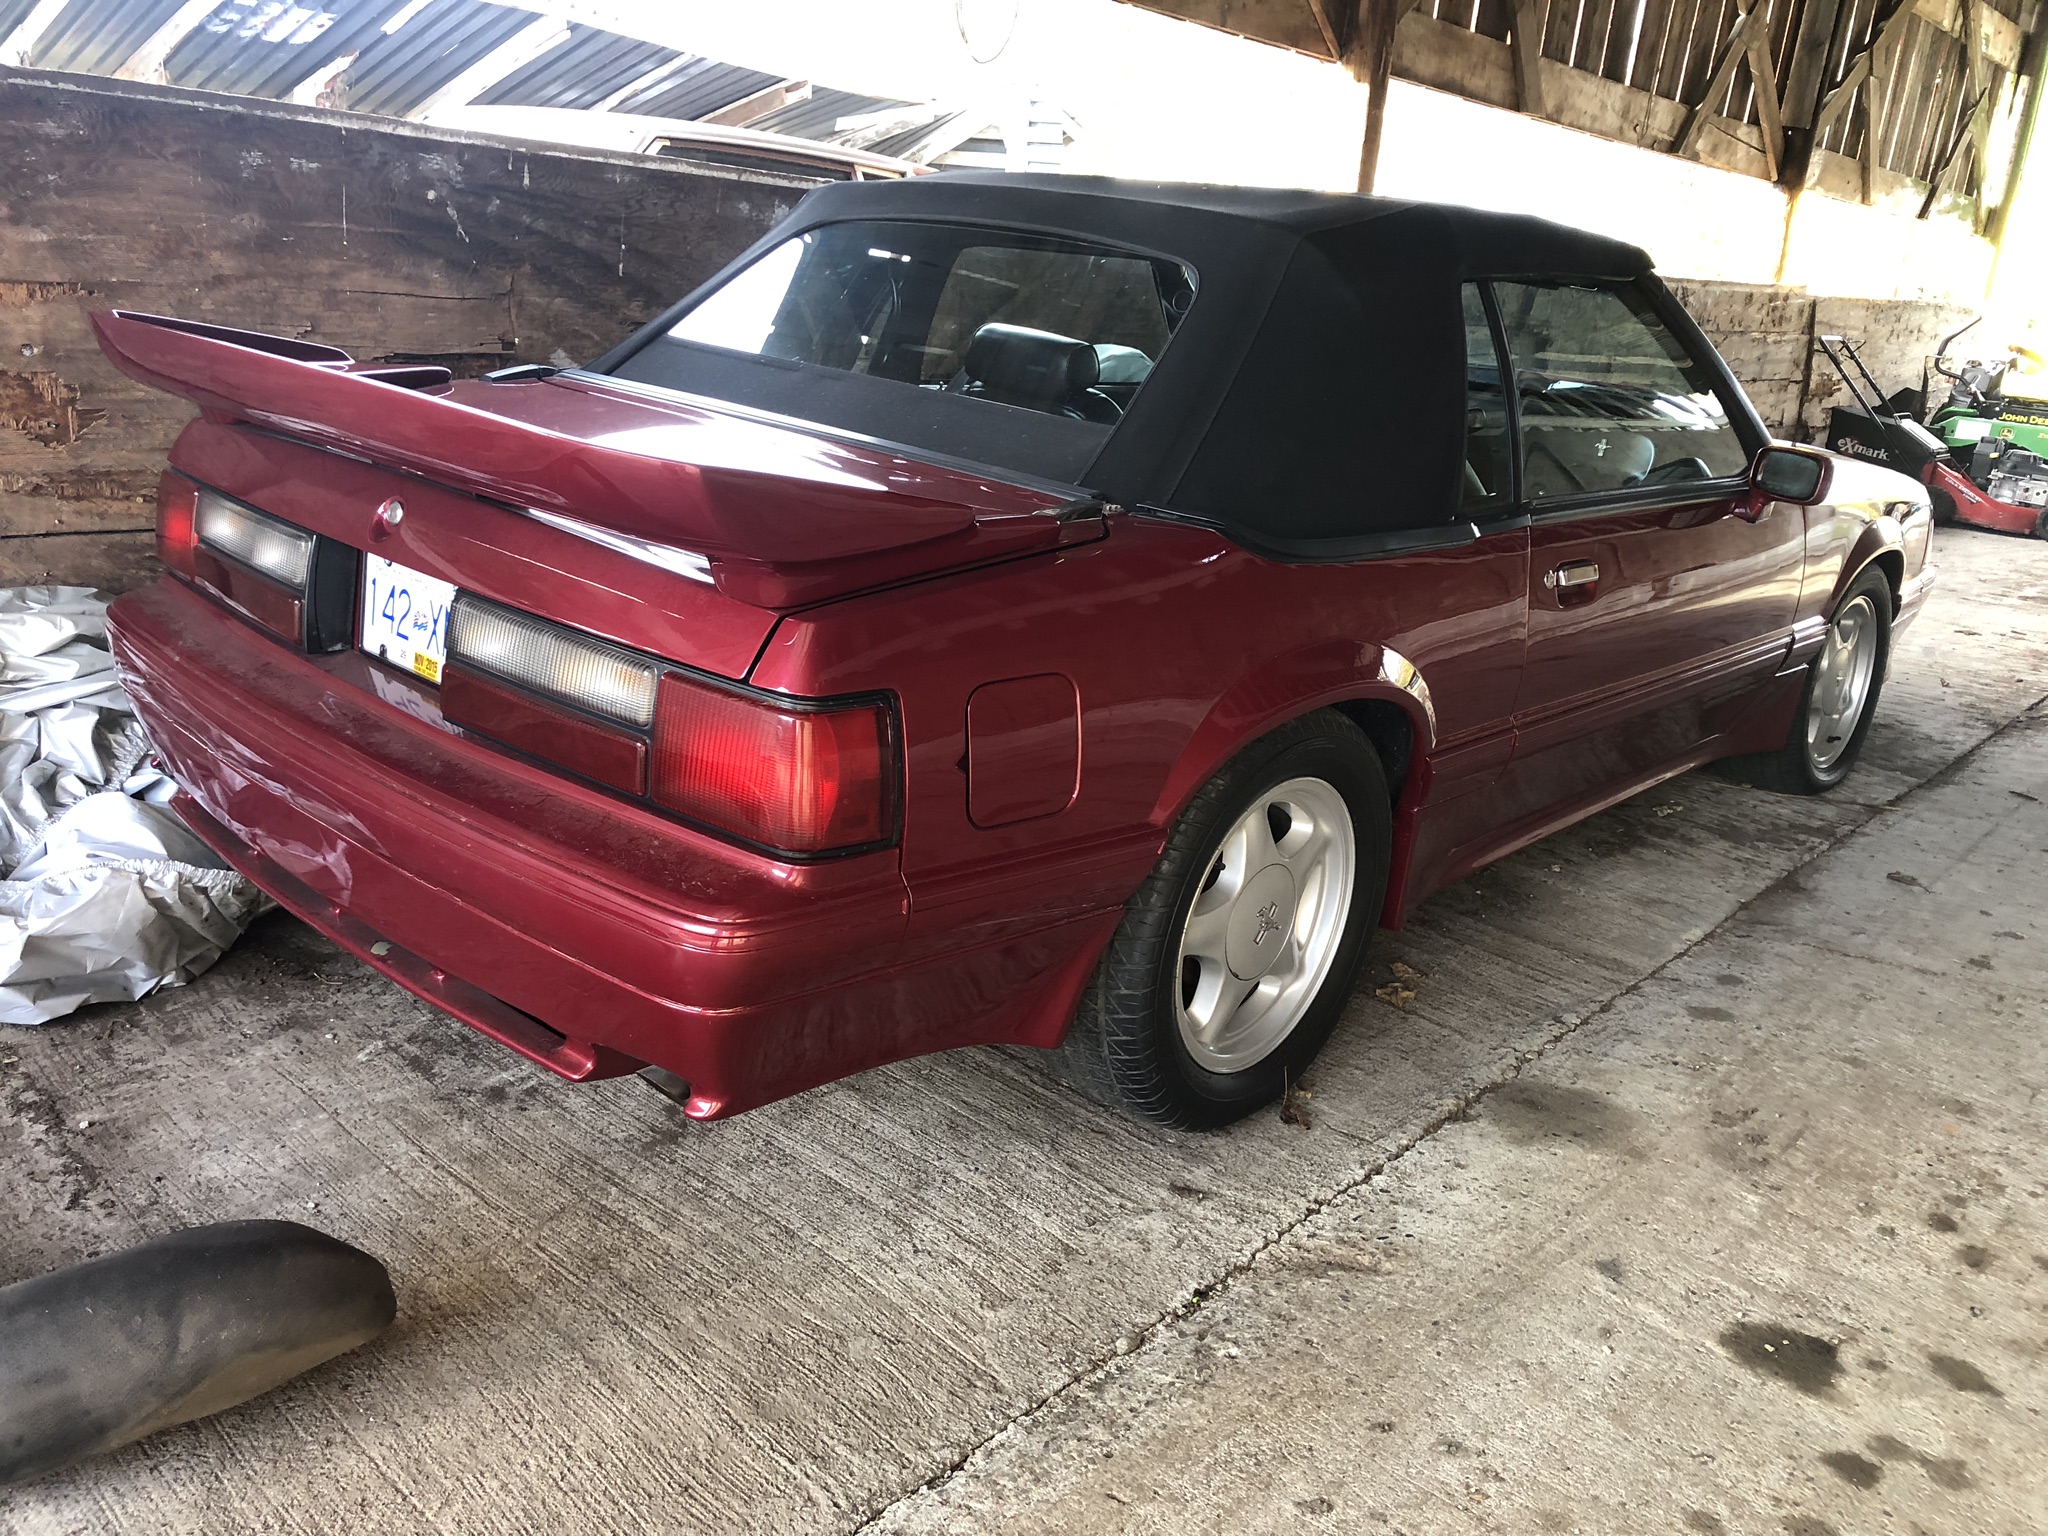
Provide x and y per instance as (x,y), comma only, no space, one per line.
(405,617)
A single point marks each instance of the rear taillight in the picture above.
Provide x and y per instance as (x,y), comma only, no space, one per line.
(176,505)
(789,776)
(294,583)
(552,659)
(496,709)
(269,546)
(785,775)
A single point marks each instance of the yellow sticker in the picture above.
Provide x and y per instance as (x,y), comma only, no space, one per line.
(426,666)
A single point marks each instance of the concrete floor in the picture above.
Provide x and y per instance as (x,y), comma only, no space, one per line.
(1700,1189)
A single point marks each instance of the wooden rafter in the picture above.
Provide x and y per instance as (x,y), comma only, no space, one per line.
(1335,26)
(1751,40)
(1973,127)
(1864,73)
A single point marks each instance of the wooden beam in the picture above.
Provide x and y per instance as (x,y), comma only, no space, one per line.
(1980,114)
(2036,63)
(1842,97)
(1763,74)
(1738,45)
(1291,24)
(1951,156)
(1865,82)
(763,103)
(1974,127)
(1807,66)
(1525,36)
(1335,28)
(1371,62)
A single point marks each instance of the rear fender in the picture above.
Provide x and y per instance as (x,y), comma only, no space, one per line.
(1329,672)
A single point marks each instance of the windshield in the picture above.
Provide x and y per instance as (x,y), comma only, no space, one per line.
(1014,349)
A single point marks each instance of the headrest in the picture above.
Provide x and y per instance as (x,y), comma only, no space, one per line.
(1121,365)
(1016,361)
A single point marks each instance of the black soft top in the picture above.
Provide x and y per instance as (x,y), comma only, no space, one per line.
(1313,400)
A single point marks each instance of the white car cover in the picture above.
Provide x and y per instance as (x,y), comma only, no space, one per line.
(107,894)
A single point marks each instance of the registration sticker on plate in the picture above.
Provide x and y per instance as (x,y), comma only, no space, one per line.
(405,617)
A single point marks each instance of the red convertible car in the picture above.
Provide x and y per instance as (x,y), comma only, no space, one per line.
(994,609)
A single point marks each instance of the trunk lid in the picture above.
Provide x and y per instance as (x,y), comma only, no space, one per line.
(784,516)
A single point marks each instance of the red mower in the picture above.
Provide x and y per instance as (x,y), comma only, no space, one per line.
(1979,459)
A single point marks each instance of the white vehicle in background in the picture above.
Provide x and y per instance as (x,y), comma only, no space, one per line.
(678,138)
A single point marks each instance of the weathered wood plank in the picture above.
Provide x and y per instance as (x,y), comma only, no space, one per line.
(113,562)
(1288,24)
(386,240)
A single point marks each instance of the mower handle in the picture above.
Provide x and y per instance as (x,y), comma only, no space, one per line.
(1941,352)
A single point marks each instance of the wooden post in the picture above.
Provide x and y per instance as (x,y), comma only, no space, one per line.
(2032,62)
(1808,64)
(1525,34)
(1765,77)
(1369,55)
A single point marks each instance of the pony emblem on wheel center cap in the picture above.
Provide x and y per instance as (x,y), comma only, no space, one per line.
(1264,907)
(1269,921)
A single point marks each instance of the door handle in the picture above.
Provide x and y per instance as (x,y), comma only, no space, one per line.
(1573,573)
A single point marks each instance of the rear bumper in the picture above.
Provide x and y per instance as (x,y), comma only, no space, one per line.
(588,934)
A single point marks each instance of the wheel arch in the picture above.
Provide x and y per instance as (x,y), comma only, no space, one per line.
(1375,687)
(1882,544)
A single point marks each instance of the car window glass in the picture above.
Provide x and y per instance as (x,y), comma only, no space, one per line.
(1609,398)
(1017,320)
(1488,470)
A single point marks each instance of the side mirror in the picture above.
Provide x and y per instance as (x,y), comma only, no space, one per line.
(1796,475)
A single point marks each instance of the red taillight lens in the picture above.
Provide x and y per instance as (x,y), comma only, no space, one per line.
(801,781)
(177,500)
(281,612)
(541,729)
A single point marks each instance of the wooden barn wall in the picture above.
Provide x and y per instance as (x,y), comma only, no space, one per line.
(386,240)
(1766,334)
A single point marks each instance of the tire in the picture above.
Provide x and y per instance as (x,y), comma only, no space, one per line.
(1825,739)
(2041,526)
(1157,1034)
(1944,507)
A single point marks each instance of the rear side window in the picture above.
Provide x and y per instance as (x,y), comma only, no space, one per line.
(1014,320)
(1609,397)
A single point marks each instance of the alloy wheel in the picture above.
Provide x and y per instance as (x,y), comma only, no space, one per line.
(1264,928)
(1843,671)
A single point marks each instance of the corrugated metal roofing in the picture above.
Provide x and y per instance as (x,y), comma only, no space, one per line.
(96,37)
(901,143)
(269,47)
(400,72)
(592,65)
(814,119)
(12,14)
(698,89)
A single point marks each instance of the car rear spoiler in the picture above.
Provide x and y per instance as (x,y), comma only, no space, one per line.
(778,539)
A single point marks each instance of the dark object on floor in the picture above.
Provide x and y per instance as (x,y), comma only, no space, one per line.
(105,1352)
